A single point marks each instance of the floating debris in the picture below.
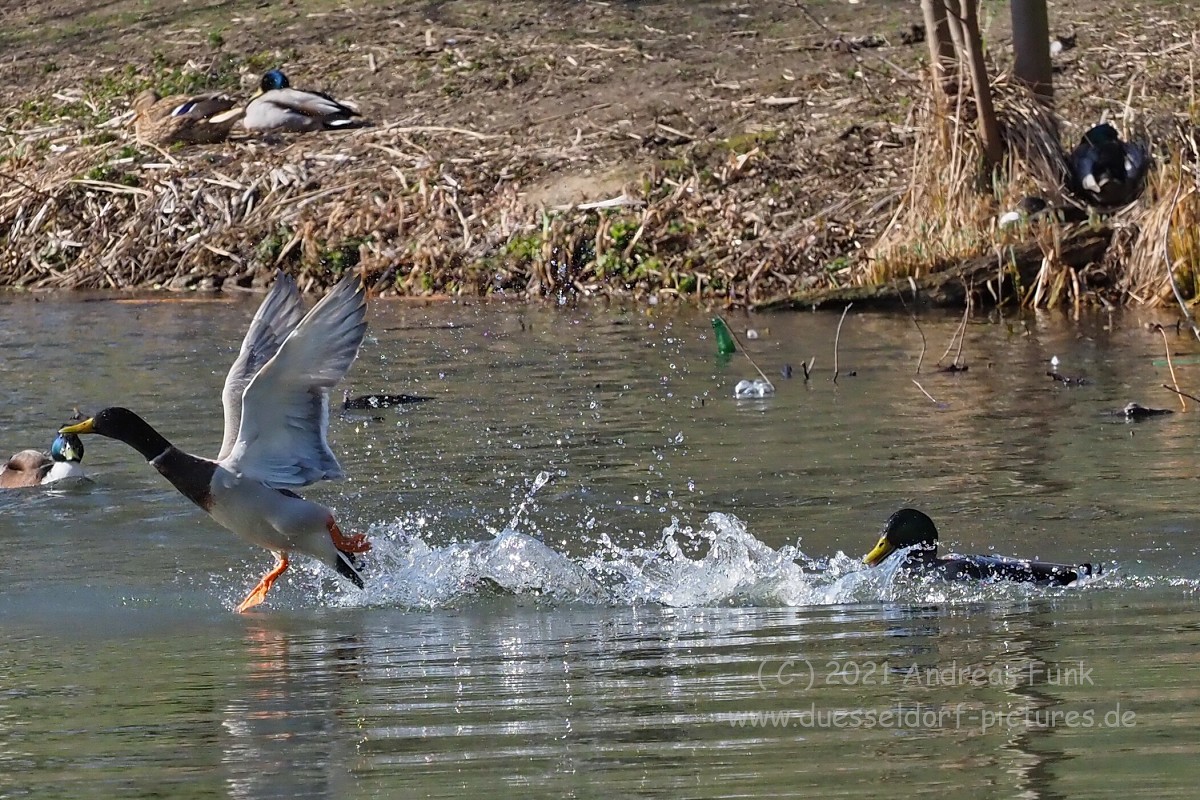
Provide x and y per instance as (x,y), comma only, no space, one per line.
(1136,412)
(1067,380)
(754,388)
(725,344)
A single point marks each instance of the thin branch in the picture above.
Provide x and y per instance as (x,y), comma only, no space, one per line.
(836,338)
(927,394)
(963,335)
(913,317)
(1181,393)
(1171,367)
(961,331)
(742,350)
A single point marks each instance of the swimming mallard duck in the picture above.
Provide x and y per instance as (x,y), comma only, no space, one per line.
(198,119)
(379,400)
(276,400)
(279,107)
(910,528)
(35,468)
(1106,171)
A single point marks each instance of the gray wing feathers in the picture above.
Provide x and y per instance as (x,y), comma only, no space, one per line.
(277,317)
(285,409)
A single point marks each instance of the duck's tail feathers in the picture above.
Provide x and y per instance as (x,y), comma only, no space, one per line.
(342,123)
(349,565)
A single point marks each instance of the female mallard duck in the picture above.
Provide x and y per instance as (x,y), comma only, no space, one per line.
(1106,171)
(276,400)
(199,119)
(279,107)
(35,468)
(910,528)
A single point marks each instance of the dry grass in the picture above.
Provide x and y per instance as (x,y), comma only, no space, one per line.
(949,209)
(1165,232)
(755,164)
(423,210)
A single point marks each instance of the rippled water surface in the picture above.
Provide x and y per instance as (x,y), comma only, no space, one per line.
(597,574)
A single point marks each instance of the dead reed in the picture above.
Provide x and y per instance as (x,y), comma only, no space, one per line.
(429,210)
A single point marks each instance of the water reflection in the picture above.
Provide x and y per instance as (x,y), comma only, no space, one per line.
(284,734)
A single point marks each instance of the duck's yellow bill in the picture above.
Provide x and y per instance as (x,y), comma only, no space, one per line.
(881,551)
(87,426)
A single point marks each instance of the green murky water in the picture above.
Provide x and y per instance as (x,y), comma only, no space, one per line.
(679,612)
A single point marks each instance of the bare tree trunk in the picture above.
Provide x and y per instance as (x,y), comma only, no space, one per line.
(942,58)
(954,12)
(989,129)
(1031,47)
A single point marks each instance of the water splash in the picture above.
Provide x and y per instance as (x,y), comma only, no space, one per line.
(718,563)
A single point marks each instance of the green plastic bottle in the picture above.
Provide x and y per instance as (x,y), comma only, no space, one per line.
(725,343)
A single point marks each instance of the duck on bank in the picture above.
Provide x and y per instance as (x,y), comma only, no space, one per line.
(278,107)
(184,119)
(1106,171)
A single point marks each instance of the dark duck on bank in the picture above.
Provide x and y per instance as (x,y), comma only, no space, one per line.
(909,528)
(276,400)
(1106,171)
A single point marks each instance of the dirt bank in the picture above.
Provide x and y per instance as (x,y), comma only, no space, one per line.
(725,152)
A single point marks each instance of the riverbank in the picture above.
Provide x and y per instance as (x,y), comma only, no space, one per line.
(732,155)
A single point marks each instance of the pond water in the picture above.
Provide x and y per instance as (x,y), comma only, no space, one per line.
(597,574)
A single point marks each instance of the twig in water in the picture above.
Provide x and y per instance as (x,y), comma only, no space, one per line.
(1181,394)
(1171,367)
(927,394)
(742,350)
(836,338)
(913,317)
(962,337)
(959,334)
(808,368)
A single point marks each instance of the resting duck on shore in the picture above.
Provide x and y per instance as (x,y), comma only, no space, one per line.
(279,107)
(276,400)
(1106,171)
(35,468)
(911,528)
(182,119)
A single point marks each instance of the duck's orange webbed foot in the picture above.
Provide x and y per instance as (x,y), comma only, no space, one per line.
(259,592)
(354,543)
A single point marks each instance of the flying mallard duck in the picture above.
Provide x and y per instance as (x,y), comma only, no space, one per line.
(1106,171)
(276,400)
(35,468)
(278,107)
(910,528)
(196,119)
